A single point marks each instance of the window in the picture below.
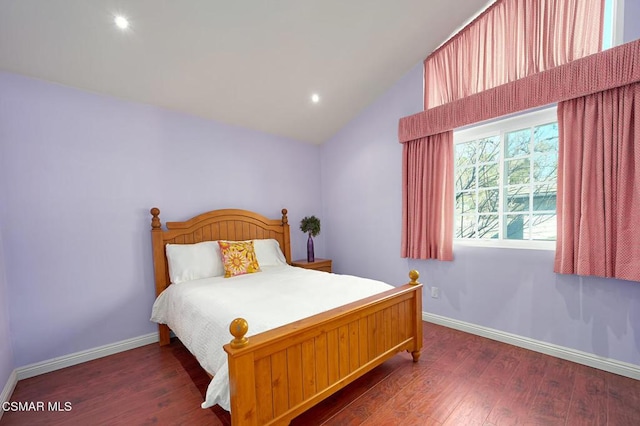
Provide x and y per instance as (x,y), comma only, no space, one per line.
(506,179)
(612,31)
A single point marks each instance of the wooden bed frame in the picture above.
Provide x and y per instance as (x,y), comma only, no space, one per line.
(276,375)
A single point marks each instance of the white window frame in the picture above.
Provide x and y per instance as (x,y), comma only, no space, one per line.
(499,127)
(614,21)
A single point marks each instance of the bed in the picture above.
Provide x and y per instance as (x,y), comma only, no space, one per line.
(274,374)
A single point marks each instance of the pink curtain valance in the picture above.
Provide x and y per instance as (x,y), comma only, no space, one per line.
(601,71)
(511,40)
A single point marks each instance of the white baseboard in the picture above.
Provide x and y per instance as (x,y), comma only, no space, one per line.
(54,364)
(5,396)
(585,358)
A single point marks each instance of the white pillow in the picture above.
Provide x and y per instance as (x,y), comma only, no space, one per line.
(194,261)
(268,252)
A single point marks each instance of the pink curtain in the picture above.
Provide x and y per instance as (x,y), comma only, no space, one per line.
(427,198)
(511,40)
(516,55)
(599,185)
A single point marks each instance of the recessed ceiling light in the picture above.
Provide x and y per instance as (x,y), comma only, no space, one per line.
(121,22)
(315,98)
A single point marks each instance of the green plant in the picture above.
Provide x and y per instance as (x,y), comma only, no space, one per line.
(310,225)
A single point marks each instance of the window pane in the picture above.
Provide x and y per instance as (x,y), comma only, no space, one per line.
(466,226)
(517,199)
(466,154)
(517,171)
(465,202)
(517,226)
(544,197)
(543,227)
(488,201)
(489,149)
(488,226)
(466,179)
(488,175)
(545,138)
(545,165)
(545,168)
(518,143)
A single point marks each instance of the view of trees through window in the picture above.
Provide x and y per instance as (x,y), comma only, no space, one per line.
(506,184)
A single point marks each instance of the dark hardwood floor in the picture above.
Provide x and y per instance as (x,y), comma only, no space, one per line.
(461,379)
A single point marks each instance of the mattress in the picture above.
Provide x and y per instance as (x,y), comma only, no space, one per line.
(199,312)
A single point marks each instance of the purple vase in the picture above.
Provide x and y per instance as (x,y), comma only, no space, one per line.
(310,256)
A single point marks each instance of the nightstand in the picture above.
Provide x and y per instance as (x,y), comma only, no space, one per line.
(323,265)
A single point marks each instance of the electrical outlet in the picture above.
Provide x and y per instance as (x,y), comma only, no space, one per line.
(435,292)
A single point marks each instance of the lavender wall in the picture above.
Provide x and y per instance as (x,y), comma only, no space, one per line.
(6,347)
(510,290)
(631,28)
(81,172)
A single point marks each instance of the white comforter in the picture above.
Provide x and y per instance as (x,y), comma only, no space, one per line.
(200,311)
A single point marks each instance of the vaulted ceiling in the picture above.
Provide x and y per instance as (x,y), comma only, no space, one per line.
(253,64)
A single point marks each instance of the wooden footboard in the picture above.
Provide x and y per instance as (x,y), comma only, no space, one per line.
(278,374)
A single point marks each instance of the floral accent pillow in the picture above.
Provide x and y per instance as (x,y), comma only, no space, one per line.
(238,257)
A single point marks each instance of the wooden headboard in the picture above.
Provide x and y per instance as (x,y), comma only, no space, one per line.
(226,224)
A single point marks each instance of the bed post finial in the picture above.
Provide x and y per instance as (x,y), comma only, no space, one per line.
(238,328)
(155,220)
(285,220)
(413,276)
